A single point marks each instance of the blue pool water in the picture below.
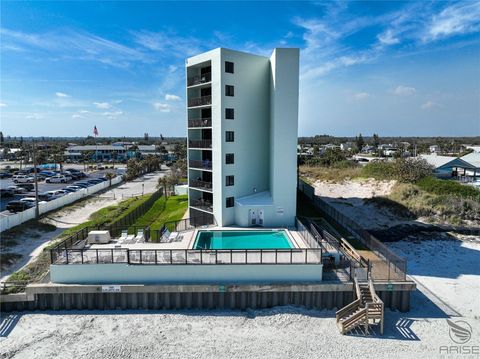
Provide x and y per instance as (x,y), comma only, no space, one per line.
(255,239)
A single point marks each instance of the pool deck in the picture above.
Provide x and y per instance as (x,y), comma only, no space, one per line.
(187,240)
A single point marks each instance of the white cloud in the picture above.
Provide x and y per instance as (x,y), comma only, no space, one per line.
(459,18)
(102,105)
(76,45)
(360,96)
(430,105)
(2,104)
(388,38)
(34,116)
(112,114)
(163,107)
(61,94)
(84,111)
(76,115)
(169,97)
(404,90)
(167,42)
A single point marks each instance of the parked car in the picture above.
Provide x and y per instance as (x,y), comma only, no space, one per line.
(56,193)
(73,188)
(81,184)
(58,179)
(22,179)
(69,190)
(95,181)
(45,197)
(18,206)
(5,192)
(48,173)
(88,184)
(73,175)
(17,189)
(5,175)
(28,186)
(29,200)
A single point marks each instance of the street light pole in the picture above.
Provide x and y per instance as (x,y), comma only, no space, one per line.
(37,212)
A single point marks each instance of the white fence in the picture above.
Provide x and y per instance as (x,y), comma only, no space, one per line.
(9,221)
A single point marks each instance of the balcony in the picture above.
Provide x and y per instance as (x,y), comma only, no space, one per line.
(202,204)
(200,101)
(200,122)
(199,79)
(206,164)
(200,144)
(201,184)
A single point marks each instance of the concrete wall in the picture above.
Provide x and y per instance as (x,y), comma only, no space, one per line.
(125,274)
(319,296)
(284,133)
(251,127)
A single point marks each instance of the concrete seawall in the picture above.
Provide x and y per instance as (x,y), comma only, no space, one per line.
(93,297)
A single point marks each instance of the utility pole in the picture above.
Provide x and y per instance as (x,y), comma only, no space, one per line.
(37,212)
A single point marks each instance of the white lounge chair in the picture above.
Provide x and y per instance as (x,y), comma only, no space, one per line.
(140,238)
(123,236)
(130,239)
(165,236)
(172,236)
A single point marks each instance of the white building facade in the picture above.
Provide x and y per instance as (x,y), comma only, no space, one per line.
(242,115)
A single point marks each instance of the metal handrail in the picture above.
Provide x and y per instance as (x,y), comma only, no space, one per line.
(199,79)
(200,184)
(200,122)
(200,101)
(200,144)
(189,256)
(205,164)
(205,205)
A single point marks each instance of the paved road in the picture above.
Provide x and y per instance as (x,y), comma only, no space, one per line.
(42,187)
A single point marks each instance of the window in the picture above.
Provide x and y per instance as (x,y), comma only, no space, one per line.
(229,90)
(229,180)
(229,113)
(229,67)
(229,159)
(230,202)
(229,136)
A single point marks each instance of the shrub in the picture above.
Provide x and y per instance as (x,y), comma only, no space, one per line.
(407,170)
(410,170)
(448,187)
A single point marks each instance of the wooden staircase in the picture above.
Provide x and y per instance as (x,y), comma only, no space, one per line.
(366,310)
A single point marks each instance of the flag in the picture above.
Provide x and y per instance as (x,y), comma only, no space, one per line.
(95,131)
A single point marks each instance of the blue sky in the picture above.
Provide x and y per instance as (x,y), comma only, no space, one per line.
(393,68)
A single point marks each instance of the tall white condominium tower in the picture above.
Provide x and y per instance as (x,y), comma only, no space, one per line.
(242,114)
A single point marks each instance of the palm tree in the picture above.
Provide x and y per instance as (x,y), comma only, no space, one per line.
(110,176)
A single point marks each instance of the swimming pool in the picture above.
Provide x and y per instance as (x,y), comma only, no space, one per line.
(254,239)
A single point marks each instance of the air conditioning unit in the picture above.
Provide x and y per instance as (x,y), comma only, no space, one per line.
(98,237)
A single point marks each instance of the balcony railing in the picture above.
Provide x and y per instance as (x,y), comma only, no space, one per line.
(205,164)
(200,184)
(202,204)
(200,122)
(200,144)
(200,101)
(199,79)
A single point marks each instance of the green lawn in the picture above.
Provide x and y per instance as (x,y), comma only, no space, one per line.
(163,211)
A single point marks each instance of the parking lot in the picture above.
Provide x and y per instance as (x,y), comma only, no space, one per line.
(42,187)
